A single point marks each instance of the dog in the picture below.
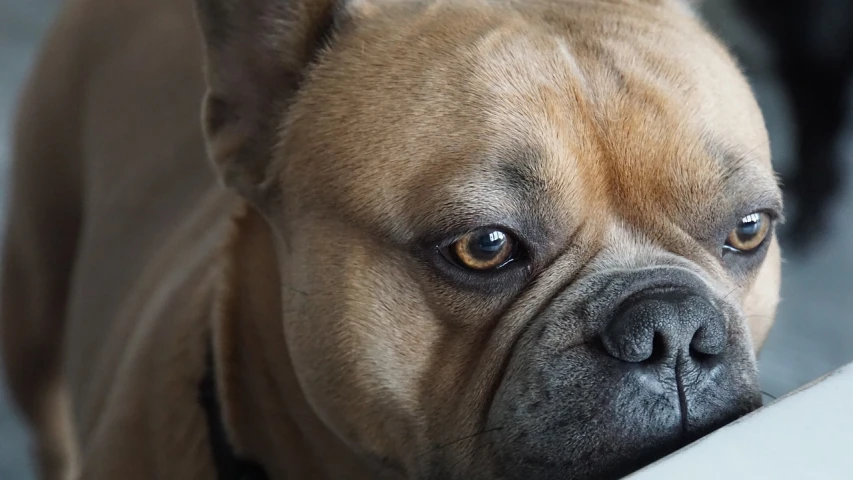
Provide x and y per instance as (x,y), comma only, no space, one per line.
(440,239)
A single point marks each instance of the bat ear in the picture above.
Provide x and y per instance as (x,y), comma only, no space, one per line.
(256,52)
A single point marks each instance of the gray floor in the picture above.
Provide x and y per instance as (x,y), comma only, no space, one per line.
(814,331)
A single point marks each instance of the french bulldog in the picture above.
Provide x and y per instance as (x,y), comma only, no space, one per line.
(441,239)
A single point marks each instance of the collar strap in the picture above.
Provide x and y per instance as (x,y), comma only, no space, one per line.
(227,464)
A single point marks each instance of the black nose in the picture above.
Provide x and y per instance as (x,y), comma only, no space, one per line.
(665,324)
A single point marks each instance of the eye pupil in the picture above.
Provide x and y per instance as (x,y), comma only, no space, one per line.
(750,225)
(748,230)
(491,242)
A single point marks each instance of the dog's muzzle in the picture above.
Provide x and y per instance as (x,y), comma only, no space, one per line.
(618,371)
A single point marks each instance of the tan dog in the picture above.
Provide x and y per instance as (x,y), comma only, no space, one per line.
(471,239)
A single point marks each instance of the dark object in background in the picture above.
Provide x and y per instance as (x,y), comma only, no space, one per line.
(813,41)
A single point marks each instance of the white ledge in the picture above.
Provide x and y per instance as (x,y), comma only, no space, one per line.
(805,435)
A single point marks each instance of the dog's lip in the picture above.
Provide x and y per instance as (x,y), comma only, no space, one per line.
(681,436)
(663,448)
(677,382)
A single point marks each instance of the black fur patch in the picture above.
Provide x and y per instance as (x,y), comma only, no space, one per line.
(228,465)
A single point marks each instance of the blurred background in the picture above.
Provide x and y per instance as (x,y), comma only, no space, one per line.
(798,55)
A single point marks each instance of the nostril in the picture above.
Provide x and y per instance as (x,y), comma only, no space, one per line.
(700,357)
(708,340)
(658,349)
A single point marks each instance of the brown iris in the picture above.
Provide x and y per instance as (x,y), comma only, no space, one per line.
(750,232)
(484,249)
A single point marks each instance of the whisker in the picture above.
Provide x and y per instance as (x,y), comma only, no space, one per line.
(467,437)
(765,393)
(724,297)
(301,292)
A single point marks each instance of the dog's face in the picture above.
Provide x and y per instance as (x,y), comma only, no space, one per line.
(517,240)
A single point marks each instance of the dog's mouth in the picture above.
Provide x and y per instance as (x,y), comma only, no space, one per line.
(628,447)
(581,415)
(663,447)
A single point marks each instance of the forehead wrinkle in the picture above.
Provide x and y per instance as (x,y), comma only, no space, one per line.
(533,86)
(747,168)
(503,189)
(650,141)
(522,75)
(479,202)
(729,153)
(648,145)
(521,171)
(527,177)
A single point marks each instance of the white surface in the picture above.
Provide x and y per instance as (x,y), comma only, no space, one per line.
(806,435)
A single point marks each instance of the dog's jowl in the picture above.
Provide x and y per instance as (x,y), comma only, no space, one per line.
(361,239)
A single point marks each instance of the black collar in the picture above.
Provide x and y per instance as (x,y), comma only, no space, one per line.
(228,465)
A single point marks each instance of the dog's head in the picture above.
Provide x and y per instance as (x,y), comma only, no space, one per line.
(517,239)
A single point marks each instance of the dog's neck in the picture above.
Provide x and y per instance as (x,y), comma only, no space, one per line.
(265,414)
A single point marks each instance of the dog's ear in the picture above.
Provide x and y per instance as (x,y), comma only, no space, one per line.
(256,54)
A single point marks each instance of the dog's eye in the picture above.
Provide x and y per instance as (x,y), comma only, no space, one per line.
(750,233)
(484,249)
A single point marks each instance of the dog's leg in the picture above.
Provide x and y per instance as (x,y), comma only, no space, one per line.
(38,255)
